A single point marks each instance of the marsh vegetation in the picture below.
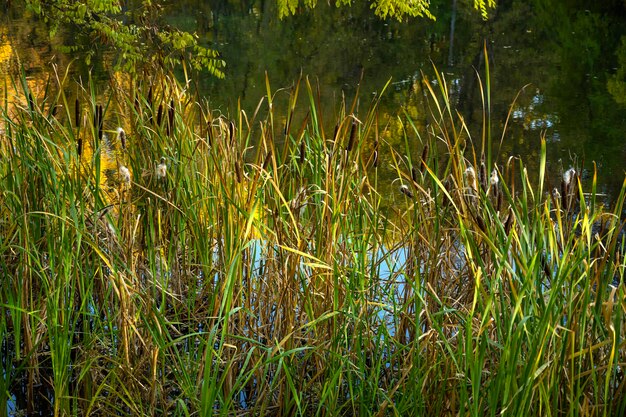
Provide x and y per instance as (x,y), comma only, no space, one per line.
(191,264)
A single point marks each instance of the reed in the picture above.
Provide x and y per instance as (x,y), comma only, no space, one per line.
(222,266)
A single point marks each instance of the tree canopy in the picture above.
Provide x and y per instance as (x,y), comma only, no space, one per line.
(398,9)
(136,34)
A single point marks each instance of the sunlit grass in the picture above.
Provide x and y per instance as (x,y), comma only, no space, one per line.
(199,265)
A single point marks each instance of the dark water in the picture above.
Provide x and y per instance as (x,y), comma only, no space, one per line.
(567,58)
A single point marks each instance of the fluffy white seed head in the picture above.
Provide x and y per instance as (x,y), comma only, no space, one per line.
(121,137)
(568,176)
(124,175)
(494,180)
(470,176)
(161,170)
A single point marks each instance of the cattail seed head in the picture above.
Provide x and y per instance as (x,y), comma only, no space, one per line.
(352,136)
(470,176)
(494,180)
(124,175)
(404,189)
(568,176)
(170,118)
(161,170)
(121,137)
(77,113)
(482,176)
(160,115)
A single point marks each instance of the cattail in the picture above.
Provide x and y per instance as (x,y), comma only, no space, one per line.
(160,115)
(567,187)
(238,171)
(482,175)
(509,222)
(568,176)
(161,170)
(170,118)
(555,196)
(124,175)
(423,163)
(414,174)
(494,182)
(404,189)
(336,132)
(266,162)
(95,120)
(470,176)
(79,147)
(302,151)
(481,223)
(98,121)
(352,136)
(231,132)
(31,101)
(121,137)
(210,133)
(77,113)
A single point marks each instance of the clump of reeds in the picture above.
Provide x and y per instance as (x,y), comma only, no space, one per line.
(275,275)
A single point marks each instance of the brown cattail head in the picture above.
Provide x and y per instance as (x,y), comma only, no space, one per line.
(424,159)
(79,146)
(210,133)
(77,113)
(482,175)
(160,115)
(170,118)
(302,151)
(121,137)
(238,171)
(404,189)
(231,132)
(267,160)
(414,174)
(98,122)
(31,102)
(352,136)
(508,224)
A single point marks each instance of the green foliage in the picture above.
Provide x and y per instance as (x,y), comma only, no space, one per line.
(617,83)
(136,37)
(397,9)
(268,280)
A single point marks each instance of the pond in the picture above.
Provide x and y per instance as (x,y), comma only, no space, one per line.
(565,60)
